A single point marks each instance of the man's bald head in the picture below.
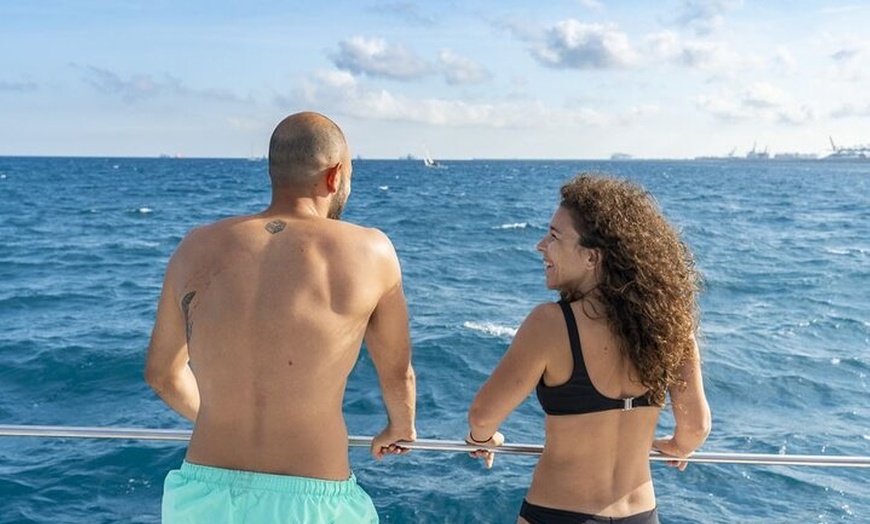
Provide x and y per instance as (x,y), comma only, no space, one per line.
(303,145)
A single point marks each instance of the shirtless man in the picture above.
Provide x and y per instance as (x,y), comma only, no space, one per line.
(259,324)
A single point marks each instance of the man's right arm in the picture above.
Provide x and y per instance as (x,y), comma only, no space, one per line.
(167,368)
(388,340)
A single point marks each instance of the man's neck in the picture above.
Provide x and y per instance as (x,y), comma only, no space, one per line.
(297,207)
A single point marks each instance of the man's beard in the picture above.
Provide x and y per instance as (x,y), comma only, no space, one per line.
(338,202)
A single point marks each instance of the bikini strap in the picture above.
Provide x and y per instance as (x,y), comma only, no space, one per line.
(574,338)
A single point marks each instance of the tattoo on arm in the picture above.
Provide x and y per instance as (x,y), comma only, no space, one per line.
(185,309)
(276,226)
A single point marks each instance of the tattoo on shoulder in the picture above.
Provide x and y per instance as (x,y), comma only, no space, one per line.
(276,226)
(185,309)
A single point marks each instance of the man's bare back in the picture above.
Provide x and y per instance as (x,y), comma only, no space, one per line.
(271,311)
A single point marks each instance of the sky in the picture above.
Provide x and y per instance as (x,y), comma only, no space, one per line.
(555,79)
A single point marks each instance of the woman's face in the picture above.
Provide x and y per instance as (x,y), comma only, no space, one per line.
(567,265)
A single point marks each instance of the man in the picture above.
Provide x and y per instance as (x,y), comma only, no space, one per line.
(259,324)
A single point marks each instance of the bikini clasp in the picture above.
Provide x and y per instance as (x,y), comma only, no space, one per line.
(628,404)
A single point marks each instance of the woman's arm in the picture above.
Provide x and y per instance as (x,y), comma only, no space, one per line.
(515,376)
(691,414)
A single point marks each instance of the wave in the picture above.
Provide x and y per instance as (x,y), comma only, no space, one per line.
(845,251)
(491,329)
(515,225)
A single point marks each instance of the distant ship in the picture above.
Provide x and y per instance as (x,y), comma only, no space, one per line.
(428,161)
(795,156)
(755,154)
(752,154)
(861,152)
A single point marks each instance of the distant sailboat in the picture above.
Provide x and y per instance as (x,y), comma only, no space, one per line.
(253,157)
(428,161)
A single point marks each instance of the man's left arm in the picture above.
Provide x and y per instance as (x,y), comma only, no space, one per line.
(388,340)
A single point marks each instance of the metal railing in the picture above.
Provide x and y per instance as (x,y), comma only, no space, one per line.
(438,445)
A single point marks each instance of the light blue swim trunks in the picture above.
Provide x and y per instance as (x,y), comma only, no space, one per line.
(205,494)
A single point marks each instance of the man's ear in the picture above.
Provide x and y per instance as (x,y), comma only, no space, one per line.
(333,177)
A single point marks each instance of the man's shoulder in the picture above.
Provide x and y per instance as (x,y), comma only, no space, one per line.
(214,228)
(202,236)
(365,234)
(364,244)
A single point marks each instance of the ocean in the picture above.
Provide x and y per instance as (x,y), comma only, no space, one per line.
(784,248)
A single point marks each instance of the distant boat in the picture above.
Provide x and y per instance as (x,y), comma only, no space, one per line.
(253,157)
(757,155)
(428,161)
(861,152)
(795,156)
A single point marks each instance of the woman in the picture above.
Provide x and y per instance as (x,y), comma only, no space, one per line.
(628,291)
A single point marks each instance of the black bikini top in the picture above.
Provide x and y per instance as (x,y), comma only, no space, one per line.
(578,395)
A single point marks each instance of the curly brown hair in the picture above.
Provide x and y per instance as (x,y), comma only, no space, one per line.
(649,284)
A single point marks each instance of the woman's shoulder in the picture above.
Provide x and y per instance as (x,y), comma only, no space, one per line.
(545,320)
(545,312)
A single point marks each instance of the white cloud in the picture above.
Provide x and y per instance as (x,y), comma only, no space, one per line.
(571,44)
(641,112)
(704,55)
(705,16)
(763,96)
(723,106)
(795,115)
(339,91)
(850,110)
(406,11)
(244,123)
(592,5)
(459,70)
(141,87)
(522,29)
(377,58)
(17,87)
(840,9)
(758,102)
(848,63)
(784,60)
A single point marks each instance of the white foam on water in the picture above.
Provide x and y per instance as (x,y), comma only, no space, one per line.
(145,210)
(515,225)
(846,250)
(135,243)
(835,361)
(383,188)
(491,329)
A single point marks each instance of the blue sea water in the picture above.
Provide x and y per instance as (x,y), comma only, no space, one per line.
(784,248)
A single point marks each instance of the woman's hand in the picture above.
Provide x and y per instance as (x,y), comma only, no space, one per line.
(486,447)
(668,446)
